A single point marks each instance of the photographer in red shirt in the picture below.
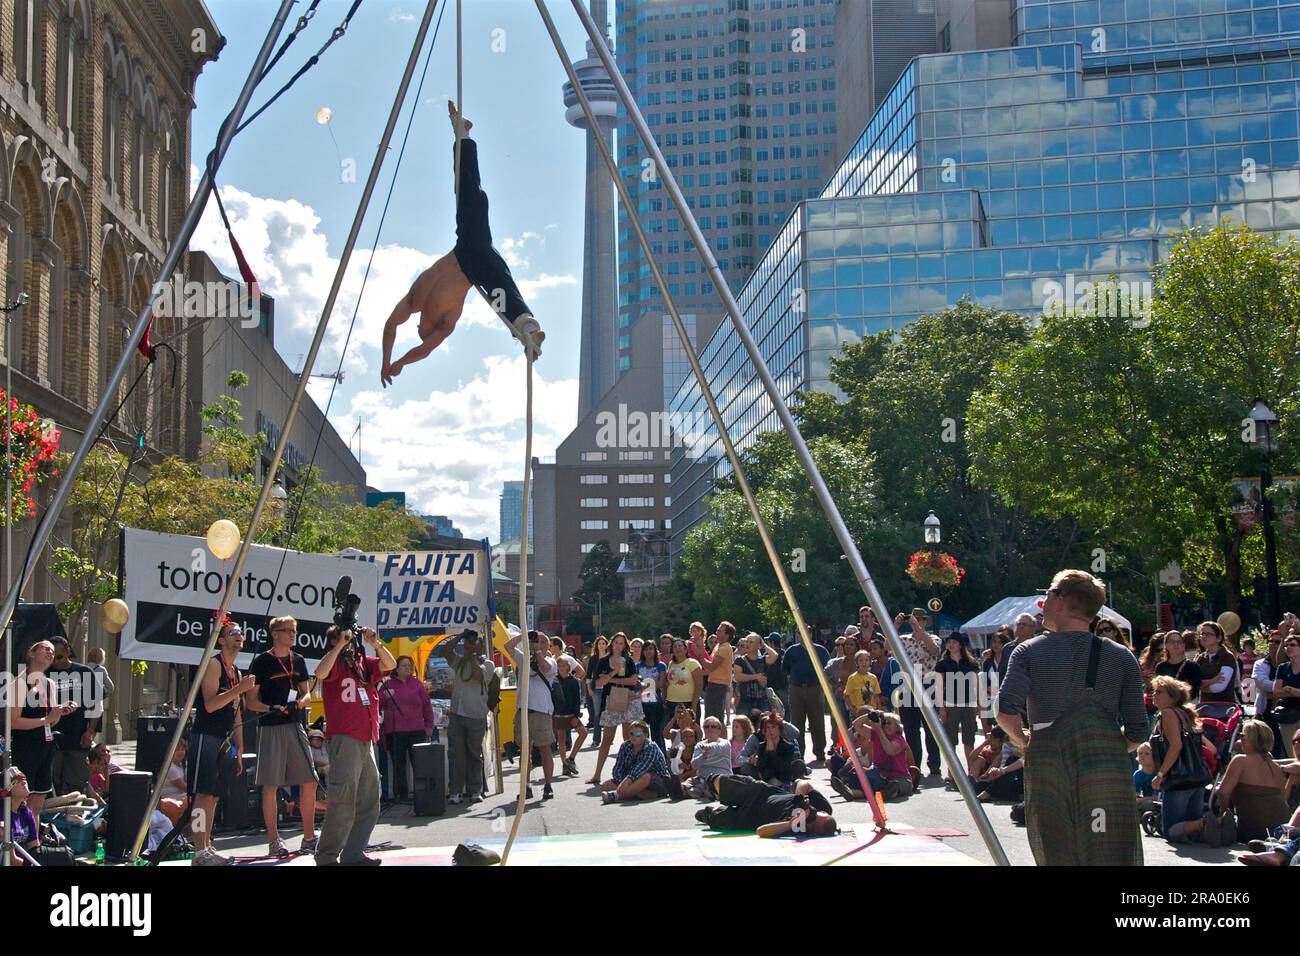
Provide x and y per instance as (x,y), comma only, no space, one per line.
(349,681)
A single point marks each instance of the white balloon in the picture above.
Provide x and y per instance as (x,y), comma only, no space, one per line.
(324,115)
(223,538)
(114,615)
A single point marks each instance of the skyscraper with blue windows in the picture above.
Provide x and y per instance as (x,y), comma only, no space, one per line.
(1009,175)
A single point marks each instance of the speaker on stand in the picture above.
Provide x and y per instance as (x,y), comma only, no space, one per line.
(152,735)
(128,798)
(429,768)
(241,803)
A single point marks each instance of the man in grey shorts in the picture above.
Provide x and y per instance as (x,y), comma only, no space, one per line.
(283,754)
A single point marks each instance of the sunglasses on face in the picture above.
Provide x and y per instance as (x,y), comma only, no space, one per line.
(637,733)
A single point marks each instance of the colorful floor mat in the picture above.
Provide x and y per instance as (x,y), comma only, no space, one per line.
(852,847)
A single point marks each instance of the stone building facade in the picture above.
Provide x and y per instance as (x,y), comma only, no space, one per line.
(95,104)
(95,124)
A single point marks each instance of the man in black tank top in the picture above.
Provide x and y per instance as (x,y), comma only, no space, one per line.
(215,733)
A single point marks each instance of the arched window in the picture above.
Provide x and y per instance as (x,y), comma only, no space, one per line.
(57,316)
(139,167)
(108,151)
(122,137)
(16,278)
(38,53)
(68,76)
(22,41)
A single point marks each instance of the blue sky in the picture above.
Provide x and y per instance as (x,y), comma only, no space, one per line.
(450,431)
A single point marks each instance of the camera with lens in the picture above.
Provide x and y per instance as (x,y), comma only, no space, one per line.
(345,604)
(875,716)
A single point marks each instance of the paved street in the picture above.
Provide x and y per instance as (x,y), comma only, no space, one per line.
(576,808)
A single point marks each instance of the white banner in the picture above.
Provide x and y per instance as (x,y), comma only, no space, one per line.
(174,583)
(422,593)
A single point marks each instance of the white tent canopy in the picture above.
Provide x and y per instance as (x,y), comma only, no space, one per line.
(1008,609)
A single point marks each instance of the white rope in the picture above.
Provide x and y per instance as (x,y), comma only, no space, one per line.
(460,102)
(525,748)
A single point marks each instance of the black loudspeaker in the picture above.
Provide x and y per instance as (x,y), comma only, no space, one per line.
(241,803)
(152,735)
(429,768)
(128,798)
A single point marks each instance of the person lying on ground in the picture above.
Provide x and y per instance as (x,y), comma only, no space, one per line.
(749,804)
(438,294)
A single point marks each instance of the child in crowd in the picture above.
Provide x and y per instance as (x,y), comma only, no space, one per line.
(171,800)
(742,728)
(566,693)
(680,764)
(320,758)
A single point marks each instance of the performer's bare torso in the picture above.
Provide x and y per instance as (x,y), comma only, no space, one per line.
(446,301)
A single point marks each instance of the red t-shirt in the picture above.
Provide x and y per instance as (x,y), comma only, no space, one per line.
(342,693)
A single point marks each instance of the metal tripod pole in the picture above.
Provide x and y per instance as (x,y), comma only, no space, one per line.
(823,494)
(287,428)
(192,214)
(10,683)
(774,557)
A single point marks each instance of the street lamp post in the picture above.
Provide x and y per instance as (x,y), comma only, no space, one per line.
(279,504)
(932,529)
(1264,441)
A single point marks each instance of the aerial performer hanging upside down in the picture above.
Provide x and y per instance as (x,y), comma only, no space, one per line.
(439,292)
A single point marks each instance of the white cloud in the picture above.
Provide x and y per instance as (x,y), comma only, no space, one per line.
(290,256)
(451,450)
(401,16)
(448,450)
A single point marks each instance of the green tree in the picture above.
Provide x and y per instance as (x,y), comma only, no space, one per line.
(668,609)
(177,496)
(906,398)
(726,568)
(599,575)
(1135,427)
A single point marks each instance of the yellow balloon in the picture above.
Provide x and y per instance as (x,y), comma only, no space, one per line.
(324,115)
(223,538)
(114,615)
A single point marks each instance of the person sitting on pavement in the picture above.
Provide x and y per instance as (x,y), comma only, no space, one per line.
(998,769)
(752,805)
(1252,786)
(683,718)
(1281,850)
(710,757)
(845,780)
(26,826)
(789,733)
(775,761)
(742,728)
(679,757)
(640,770)
(891,773)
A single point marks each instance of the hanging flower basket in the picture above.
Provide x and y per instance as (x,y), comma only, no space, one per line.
(935,569)
(33,447)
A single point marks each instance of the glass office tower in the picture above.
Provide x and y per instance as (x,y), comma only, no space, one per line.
(1011,177)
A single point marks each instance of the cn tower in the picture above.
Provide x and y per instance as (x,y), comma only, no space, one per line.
(599,345)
